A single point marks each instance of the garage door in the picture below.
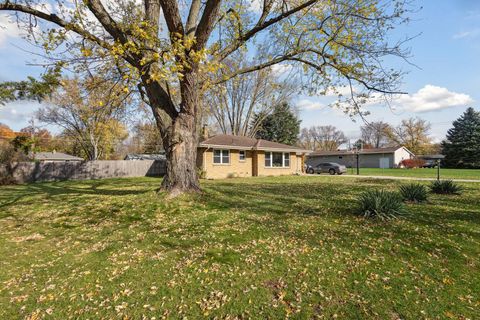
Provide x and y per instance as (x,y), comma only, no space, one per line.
(384,163)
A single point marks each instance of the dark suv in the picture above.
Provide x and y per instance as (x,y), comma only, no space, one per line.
(327,167)
(429,164)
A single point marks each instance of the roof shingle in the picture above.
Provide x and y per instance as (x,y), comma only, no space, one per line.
(246,143)
(55,156)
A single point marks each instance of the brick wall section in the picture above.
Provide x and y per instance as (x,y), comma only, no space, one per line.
(235,168)
(295,166)
(253,165)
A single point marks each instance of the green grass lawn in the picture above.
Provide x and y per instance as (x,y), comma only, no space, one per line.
(470,174)
(262,248)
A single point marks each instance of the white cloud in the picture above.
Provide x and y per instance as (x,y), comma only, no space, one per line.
(17,114)
(307,104)
(467,34)
(472,14)
(8,29)
(256,6)
(431,98)
(280,69)
(343,91)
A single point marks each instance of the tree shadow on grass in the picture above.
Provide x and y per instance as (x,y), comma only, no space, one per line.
(274,198)
(71,189)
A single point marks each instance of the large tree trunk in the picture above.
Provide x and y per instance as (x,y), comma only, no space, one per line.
(180,142)
(181,152)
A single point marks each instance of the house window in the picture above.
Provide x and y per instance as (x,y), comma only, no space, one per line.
(268,159)
(241,155)
(277,159)
(221,156)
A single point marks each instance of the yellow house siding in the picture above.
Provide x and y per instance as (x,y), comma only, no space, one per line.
(295,166)
(254,165)
(235,168)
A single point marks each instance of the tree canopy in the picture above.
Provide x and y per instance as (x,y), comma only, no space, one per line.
(327,138)
(170,52)
(281,126)
(90,114)
(30,89)
(412,133)
(376,134)
(6,132)
(462,144)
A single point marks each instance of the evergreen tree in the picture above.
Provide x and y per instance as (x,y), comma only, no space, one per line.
(462,146)
(281,126)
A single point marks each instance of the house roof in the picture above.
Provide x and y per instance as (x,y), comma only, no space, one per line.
(247,143)
(145,156)
(55,156)
(363,151)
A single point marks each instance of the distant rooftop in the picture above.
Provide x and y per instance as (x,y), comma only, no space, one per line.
(55,156)
(362,151)
(145,156)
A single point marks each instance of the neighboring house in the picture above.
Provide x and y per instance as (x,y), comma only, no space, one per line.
(145,156)
(225,156)
(367,158)
(54,157)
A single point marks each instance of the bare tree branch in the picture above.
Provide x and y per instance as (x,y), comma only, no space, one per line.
(205,26)
(98,10)
(259,27)
(7,6)
(171,13)
(152,13)
(191,25)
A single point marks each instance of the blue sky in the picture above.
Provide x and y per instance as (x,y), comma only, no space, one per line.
(447,81)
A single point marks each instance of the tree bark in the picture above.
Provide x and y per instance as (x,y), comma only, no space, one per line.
(180,141)
(181,152)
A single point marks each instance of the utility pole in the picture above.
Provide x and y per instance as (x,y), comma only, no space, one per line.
(358,147)
(32,136)
(438,169)
(358,162)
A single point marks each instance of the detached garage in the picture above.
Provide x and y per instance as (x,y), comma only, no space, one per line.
(368,158)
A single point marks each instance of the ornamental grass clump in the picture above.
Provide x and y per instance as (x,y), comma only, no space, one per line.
(445,187)
(413,192)
(380,204)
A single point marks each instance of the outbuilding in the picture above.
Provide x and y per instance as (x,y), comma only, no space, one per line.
(367,158)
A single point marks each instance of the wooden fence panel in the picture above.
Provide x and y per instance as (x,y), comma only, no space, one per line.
(81,170)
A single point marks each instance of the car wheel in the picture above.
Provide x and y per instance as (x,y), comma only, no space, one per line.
(331,171)
(310,171)
(340,173)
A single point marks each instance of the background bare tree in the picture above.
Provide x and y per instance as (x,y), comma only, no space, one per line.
(146,137)
(234,103)
(376,134)
(306,140)
(412,133)
(327,138)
